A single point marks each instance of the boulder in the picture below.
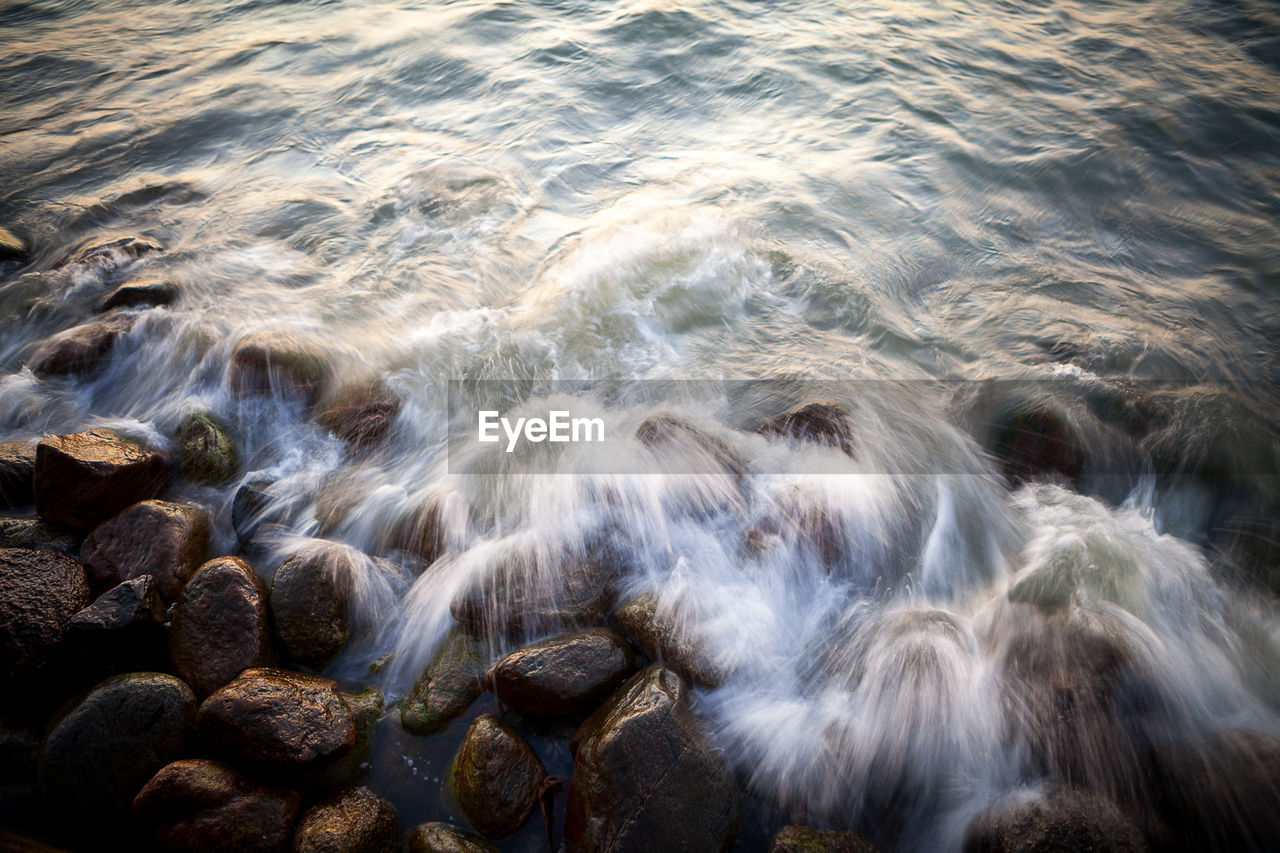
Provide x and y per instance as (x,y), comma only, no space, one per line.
(166,540)
(80,349)
(17,473)
(354,820)
(12,247)
(287,720)
(709,453)
(123,630)
(133,602)
(682,447)
(564,676)
(1032,441)
(497,778)
(449,684)
(252,512)
(352,765)
(443,838)
(197,805)
(112,251)
(360,413)
(819,422)
(1064,820)
(806,839)
(278,362)
(145,293)
(645,776)
(514,600)
(38,535)
(421,532)
(208,452)
(40,593)
(662,638)
(106,748)
(310,604)
(221,626)
(86,477)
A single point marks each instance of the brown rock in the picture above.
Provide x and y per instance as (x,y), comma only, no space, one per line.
(80,349)
(443,838)
(12,247)
(449,684)
(819,422)
(662,639)
(1064,821)
(806,839)
(207,450)
(512,601)
(281,718)
(38,535)
(645,776)
(85,477)
(360,413)
(166,540)
(421,532)
(40,592)
(497,778)
(354,820)
(278,362)
(101,753)
(133,602)
(113,251)
(567,675)
(142,292)
(199,805)
(310,602)
(1032,441)
(221,626)
(17,473)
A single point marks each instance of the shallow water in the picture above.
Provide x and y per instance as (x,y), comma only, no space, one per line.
(1079,195)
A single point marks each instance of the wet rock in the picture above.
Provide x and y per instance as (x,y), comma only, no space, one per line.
(670,430)
(207,450)
(450,683)
(251,510)
(359,413)
(123,630)
(683,447)
(113,251)
(421,532)
(134,602)
(166,540)
(350,766)
(141,293)
(567,675)
(17,473)
(443,838)
(12,247)
(38,535)
(310,600)
(661,637)
(645,777)
(806,839)
(515,599)
(40,592)
(278,362)
(12,842)
(819,422)
(85,477)
(198,804)
(81,349)
(103,751)
(1032,441)
(275,717)
(354,820)
(1063,821)
(221,626)
(497,778)
(1222,794)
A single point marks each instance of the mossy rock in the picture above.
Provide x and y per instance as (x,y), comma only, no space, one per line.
(209,453)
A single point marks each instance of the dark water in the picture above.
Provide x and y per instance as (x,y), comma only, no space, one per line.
(1083,195)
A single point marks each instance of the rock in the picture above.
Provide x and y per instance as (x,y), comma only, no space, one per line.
(85,477)
(133,602)
(368,707)
(1033,441)
(12,842)
(450,683)
(113,251)
(166,540)
(806,839)
(421,532)
(675,431)
(1063,821)
(40,592)
(17,473)
(80,349)
(567,675)
(354,820)
(207,450)
(497,778)
(662,639)
(221,626)
(12,247)
(285,719)
(359,413)
(645,776)
(38,535)
(148,292)
(443,838)
(515,600)
(198,804)
(252,511)
(278,362)
(310,601)
(683,447)
(101,753)
(819,422)
(123,630)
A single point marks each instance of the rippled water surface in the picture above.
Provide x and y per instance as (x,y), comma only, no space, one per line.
(1084,195)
